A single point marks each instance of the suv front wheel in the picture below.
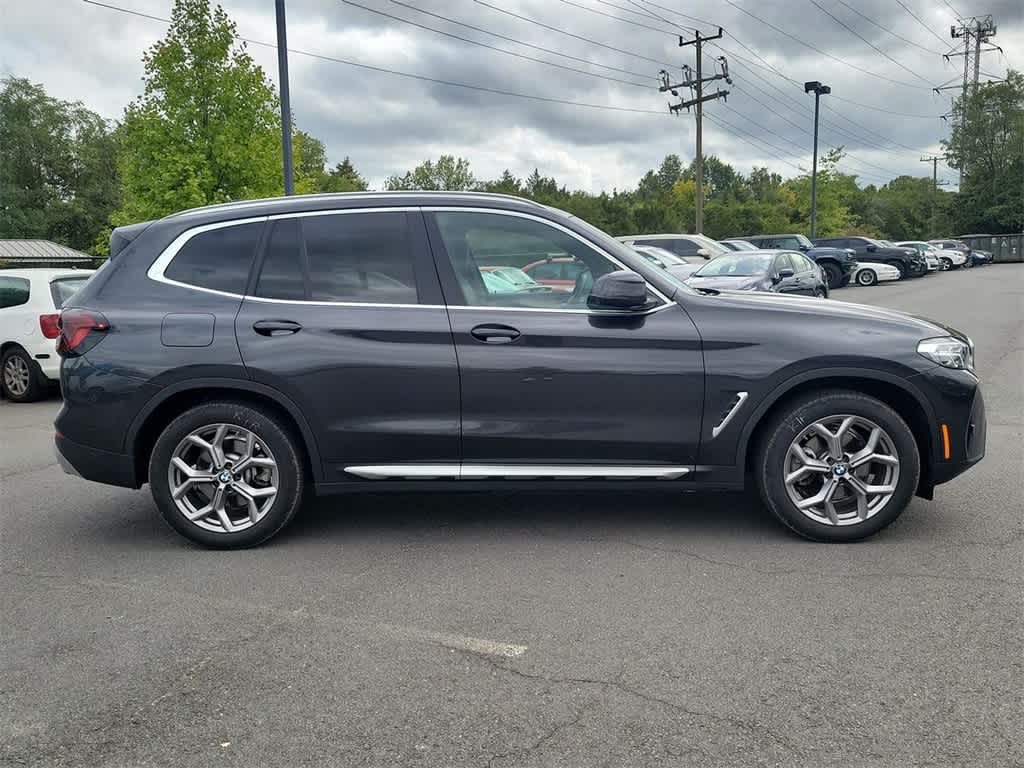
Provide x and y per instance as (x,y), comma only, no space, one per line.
(837,466)
(226,475)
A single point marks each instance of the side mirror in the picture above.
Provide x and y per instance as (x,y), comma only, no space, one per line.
(783,273)
(704,252)
(872,248)
(622,290)
(805,248)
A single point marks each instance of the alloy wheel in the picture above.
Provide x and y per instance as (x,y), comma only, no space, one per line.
(841,470)
(223,478)
(16,375)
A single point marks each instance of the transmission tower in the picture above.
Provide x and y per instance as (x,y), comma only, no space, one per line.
(974,34)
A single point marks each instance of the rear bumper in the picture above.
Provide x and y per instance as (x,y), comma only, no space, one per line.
(95,464)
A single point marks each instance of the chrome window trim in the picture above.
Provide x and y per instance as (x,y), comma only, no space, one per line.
(157,269)
(457,471)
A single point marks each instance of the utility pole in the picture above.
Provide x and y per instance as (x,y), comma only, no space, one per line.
(696,84)
(819,90)
(286,106)
(934,160)
(980,29)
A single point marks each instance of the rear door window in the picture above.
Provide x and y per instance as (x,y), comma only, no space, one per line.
(14,291)
(365,258)
(217,259)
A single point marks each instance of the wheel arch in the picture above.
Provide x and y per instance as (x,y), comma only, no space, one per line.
(896,392)
(176,398)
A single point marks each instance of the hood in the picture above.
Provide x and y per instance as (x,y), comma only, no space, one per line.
(744,283)
(877,318)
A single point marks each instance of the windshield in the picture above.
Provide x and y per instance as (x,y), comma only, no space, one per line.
(655,254)
(804,241)
(739,245)
(737,265)
(714,247)
(64,288)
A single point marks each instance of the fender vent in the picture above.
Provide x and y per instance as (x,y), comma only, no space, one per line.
(734,405)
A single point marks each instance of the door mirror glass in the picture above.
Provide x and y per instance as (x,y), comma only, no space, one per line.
(704,252)
(872,248)
(621,290)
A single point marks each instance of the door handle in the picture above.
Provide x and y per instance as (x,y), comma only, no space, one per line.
(276,327)
(495,334)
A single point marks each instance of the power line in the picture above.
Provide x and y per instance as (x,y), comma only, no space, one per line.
(570,34)
(425,78)
(857,34)
(954,10)
(517,42)
(889,31)
(816,49)
(493,47)
(612,16)
(917,18)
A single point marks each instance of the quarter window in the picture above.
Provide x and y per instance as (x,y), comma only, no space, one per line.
(218,259)
(474,240)
(14,292)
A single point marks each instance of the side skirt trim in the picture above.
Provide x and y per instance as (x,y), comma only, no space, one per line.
(514,471)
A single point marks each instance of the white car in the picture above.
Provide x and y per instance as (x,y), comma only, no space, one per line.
(30,302)
(870,273)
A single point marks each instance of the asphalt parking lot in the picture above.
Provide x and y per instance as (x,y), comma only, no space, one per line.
(524,629)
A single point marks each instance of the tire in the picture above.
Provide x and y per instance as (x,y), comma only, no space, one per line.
(819,293)
(833,275)
(947,263)
(269,441)
(19,377)
(844,520)
(900,267)
(866,277)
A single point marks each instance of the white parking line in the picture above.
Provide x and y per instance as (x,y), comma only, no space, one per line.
(459,642)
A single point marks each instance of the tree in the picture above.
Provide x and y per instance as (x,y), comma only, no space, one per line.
(506,185)
(206,128)
(58,176)
(343,177)
(987,144)
(448,173)
(308,159)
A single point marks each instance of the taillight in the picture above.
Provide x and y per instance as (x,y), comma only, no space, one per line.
(80,331)
(50,325)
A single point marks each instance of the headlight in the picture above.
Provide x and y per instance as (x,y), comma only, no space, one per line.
(948,352)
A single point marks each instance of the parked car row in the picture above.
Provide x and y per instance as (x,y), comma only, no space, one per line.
(792,263)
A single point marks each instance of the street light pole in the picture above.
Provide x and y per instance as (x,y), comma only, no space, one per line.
(818,89)
(286,107)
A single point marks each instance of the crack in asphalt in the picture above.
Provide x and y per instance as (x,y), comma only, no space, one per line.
(541,741)
(751,726)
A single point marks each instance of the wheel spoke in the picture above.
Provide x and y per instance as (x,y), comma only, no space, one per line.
(250,492)
(832,440)
(822,496)
(219,507)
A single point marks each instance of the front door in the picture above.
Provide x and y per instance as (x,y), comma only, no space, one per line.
(346,319)
(548,384)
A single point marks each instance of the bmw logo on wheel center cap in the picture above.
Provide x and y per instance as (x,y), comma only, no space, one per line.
(839,469)
(225,476)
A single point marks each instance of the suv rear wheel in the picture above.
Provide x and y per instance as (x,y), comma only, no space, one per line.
(833,275)
(19,377)
(226,475)
(837,466)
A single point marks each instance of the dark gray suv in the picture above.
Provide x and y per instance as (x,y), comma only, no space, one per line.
(238,357)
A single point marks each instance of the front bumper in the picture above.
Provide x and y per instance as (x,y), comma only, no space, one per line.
(958,433)
(95,464)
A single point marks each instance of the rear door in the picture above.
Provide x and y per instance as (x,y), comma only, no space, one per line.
(548,385)
(345,317)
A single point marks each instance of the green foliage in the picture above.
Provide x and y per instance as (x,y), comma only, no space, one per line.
(988,145)
(343,177)
(448,173)
(58,178)
(206,129)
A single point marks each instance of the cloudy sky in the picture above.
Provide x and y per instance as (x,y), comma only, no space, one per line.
(882,108)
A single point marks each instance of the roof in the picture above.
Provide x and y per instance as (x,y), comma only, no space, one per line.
(40,252)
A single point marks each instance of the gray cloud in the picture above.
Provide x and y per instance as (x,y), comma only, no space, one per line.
(388,123)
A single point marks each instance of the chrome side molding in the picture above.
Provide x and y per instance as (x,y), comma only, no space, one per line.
(514,472)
